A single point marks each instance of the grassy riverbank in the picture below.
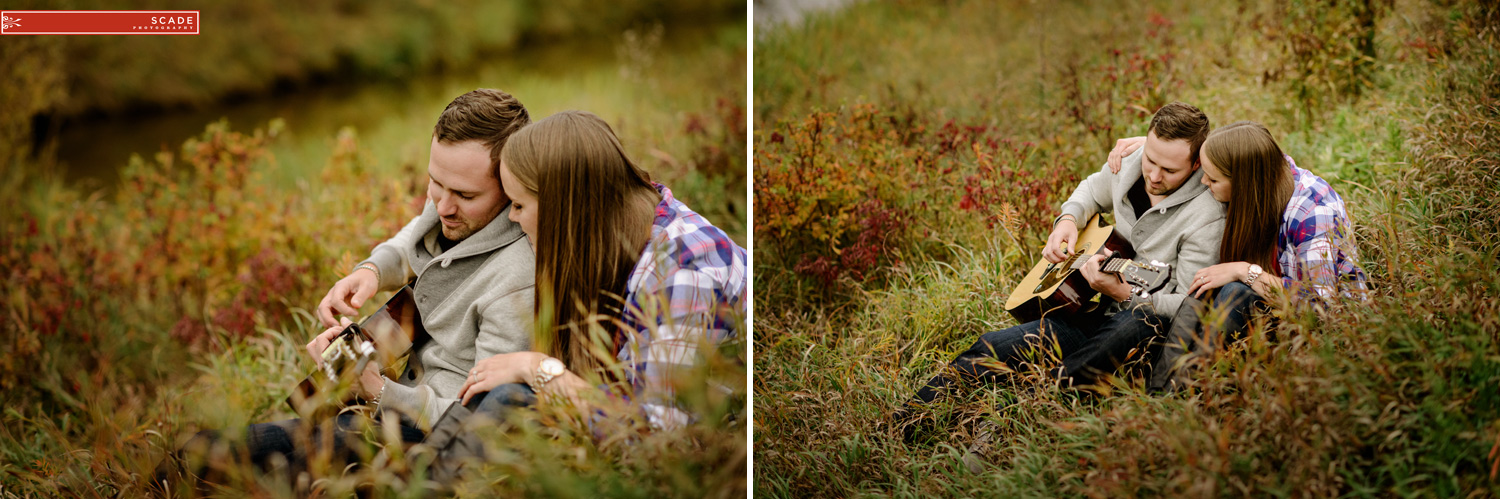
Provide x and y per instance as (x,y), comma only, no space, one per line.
(180,300)
(909,157)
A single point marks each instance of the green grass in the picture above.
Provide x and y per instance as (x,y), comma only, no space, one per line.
(1394,397)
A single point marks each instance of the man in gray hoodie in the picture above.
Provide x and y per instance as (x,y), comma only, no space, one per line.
(1167,214)
(473,277)
(474,273)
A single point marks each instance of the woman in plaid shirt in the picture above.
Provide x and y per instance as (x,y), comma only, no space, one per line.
(1270,199)
(630,282)
(1285,228)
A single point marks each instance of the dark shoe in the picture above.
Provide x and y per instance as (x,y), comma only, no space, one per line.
(911,424)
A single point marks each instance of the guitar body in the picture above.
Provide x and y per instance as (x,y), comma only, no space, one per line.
(385,337)
(1060,288)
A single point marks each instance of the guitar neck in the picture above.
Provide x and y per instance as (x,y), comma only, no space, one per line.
(1113,265)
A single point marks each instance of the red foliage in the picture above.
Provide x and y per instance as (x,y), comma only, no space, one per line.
(1130,83)
(722,143)
(189,331)
(879,226)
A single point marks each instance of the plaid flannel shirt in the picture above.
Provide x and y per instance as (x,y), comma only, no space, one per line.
(687,290)
(1315,249)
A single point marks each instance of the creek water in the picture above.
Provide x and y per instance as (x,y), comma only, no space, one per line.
(771,14)
(393,118)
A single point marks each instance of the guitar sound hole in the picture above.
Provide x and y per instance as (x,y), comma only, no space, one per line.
(1056,272)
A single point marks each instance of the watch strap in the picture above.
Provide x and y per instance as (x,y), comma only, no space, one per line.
(1252,274)
(540,377)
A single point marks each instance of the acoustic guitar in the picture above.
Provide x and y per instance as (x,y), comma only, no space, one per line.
(385,337)
(1052,288)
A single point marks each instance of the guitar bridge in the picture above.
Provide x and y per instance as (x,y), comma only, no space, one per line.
(1046,278)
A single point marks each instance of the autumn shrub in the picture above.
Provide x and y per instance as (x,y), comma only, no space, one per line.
(718,132)
(1329,49)
(846,194)
(195,248)
(52,276)
(812,181)
(1103,95)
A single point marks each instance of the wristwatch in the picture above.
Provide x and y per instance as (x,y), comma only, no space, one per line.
(1252,274)
(549,368)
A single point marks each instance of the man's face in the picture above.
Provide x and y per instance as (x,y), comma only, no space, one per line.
(1165,165)
(523,204)
(460,184)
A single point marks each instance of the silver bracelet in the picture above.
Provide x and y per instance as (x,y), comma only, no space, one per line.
(384,383)
(368,265)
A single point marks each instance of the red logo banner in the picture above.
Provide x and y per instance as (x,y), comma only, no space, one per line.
(99,22)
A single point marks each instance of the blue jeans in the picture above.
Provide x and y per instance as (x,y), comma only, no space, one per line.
(280,445)
(449,434)
(455,444)
(503,400)
(287,445)
(1231,307)
(1089,344)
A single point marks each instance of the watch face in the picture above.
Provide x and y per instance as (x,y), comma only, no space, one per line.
(552,367)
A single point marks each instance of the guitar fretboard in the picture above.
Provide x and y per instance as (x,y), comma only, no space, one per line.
(1115,265)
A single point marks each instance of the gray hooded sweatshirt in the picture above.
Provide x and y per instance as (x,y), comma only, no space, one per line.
(476,301)
(1182,230)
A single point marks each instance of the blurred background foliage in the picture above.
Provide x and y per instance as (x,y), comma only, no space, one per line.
(968,122)
(178,204)
(252,48)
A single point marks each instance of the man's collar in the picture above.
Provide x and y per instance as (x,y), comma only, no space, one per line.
(499,233)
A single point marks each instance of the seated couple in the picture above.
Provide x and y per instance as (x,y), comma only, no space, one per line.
(1235,218)
(622,282)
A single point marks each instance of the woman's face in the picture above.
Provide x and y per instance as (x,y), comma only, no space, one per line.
(523,204)
(1217,183)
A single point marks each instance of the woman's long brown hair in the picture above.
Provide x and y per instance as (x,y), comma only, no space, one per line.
(594,214)
(1260,186)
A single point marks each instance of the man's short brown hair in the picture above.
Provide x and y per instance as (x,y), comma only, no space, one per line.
(487,115)
(1179,121)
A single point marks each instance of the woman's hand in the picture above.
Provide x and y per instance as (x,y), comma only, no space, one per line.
(506,368)
(1217,276)
(519,367)
(1123,148)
